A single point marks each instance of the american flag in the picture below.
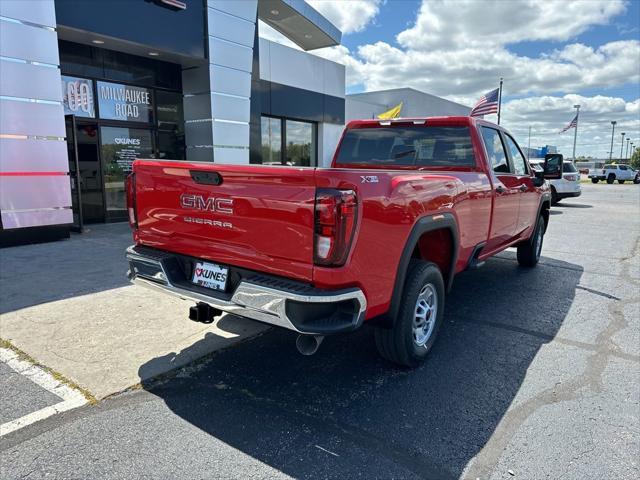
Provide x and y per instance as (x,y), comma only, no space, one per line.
(572,124)
(487,104)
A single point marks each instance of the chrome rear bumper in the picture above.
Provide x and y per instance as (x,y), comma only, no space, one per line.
(301,309)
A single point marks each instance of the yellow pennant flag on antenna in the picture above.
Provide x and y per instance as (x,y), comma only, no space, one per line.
(393,113)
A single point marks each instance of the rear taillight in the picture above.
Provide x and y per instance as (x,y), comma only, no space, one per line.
(571,178)
(336,214)
(130,187)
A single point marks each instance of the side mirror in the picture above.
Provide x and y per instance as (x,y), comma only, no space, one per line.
(538,179)
(553,166)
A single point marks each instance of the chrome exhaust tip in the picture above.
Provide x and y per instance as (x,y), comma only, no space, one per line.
(308,344)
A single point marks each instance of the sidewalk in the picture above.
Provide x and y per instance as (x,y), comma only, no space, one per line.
(69,305)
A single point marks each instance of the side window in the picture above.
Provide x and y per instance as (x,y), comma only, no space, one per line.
(495,150)
(623,167)
(519,163)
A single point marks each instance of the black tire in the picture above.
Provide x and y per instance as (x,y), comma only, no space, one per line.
(611,178)
(529,250)
(620,182)
(594,180)
(554,196)
(397,344)
(636,180)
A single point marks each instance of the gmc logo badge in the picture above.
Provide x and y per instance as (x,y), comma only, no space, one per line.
(210,204)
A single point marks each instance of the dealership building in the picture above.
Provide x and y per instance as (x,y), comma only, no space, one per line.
(87,86)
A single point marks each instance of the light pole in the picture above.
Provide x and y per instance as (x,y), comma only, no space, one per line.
(626,152)
(621,145)
(575,133)
(613,129)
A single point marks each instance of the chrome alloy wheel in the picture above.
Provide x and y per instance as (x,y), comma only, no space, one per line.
(425,315)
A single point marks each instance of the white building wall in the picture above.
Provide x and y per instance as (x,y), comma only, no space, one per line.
(414,104)
(328,137)
(295,68)
(34,181)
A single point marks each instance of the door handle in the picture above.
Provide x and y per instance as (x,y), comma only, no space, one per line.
(500,189)
(523,188)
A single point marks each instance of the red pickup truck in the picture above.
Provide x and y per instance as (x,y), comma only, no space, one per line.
(377,238)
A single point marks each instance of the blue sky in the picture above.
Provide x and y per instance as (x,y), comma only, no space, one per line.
(397,15)
(553,54)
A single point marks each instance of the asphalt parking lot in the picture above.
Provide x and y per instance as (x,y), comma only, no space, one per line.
(536,374)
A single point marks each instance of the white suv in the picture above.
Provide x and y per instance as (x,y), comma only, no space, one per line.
(613,172)
(565,187)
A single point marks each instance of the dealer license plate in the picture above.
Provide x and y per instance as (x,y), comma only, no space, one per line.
(210,275)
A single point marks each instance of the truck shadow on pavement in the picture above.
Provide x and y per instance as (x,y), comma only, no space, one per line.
(88,263)
(346,413)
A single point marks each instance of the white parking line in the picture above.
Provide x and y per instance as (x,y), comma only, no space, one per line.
(70,398)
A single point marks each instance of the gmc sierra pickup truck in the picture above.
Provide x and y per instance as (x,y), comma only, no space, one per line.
(376,239)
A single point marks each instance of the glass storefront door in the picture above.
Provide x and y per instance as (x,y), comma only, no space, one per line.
(120,147)
(115,123)
(74,172)
(90,172)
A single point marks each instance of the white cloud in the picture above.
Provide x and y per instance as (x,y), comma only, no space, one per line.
(348,15)
(547,115)
(460,49)
(465,74)
(445,24)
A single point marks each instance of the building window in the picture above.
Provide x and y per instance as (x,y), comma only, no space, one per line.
(288,142)
(125,103)
(301,144)
(170,116)
(271,140)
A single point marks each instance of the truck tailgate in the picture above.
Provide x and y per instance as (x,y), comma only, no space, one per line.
(259,218)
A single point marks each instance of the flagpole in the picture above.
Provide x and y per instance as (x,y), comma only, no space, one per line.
(499,100)
(575,132)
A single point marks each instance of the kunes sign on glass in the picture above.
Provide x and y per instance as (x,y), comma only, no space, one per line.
(123,102)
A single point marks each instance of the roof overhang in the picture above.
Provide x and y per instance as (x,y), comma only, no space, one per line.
(300,23)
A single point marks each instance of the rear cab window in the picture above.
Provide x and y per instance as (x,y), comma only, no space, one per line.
(407,146)
(568,167)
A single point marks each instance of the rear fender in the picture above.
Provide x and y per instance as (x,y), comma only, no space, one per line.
(423,225)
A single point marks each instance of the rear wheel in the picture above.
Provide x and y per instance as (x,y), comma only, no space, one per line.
(610,179)
(594,180)
(416,326)
(529,250)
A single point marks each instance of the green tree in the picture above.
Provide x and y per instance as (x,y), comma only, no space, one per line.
(635,159)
